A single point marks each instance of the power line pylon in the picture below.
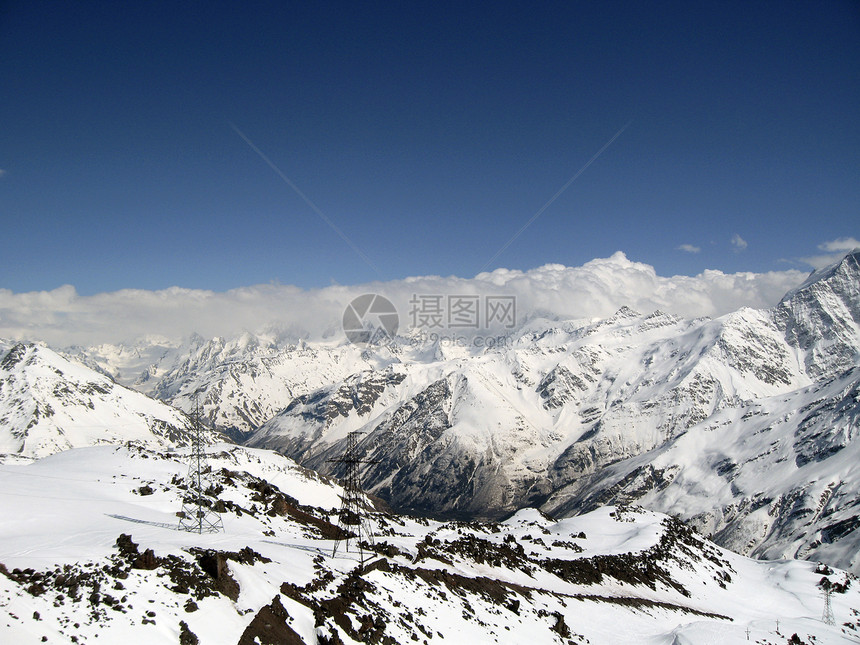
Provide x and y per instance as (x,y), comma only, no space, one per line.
(827,615)
(197,515)
(352,519)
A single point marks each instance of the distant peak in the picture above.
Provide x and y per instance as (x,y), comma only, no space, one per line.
(625,312)
(846,268)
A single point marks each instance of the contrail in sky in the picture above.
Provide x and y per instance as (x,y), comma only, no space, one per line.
(554,197)
(306,199)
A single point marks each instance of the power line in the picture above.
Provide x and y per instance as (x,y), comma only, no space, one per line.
(334,227)
(554,197)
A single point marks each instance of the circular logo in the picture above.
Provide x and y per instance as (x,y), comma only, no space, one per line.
(370,319)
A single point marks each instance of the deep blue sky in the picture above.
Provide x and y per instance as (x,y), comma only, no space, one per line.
(429,133)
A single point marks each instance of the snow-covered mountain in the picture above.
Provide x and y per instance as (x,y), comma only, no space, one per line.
(49,403)
(821,318)
(91,553)
(773,476)
(238,383)
(776,477)
(244,382)
(565,411)
(133,364)
(565,415)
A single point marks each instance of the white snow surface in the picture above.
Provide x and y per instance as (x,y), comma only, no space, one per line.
(63,515)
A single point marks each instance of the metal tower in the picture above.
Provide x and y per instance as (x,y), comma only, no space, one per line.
(827,615)
(197,515)
(353,520)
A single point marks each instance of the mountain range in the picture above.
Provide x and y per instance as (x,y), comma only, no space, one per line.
(744,425)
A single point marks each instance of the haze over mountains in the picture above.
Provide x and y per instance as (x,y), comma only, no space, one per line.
(596,289)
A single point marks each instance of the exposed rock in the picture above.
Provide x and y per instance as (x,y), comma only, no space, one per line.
(270,626)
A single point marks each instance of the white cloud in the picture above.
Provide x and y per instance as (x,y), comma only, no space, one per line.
(739,243)
(688,248)
(833,250)
(840,245)
(598,288)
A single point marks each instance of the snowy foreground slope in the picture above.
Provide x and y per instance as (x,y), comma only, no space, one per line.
(90,554)
(49,403)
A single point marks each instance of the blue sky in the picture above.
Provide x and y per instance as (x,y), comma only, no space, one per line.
(428,134)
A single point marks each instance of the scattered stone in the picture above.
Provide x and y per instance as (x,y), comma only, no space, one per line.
(147,561)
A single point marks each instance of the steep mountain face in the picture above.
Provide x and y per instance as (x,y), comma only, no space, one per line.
(123,573)
(505,428)
(777,477)
(821,318)
(49,404)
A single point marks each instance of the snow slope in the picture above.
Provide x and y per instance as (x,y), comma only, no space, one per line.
(90,553)
(243,382)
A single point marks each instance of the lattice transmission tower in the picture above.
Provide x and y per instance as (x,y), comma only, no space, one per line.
(352,520)
(197,515)
(827,615)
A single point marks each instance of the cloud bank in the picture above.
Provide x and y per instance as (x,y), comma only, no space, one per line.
(598,288)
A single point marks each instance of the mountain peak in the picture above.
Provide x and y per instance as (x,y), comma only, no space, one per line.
(822,317)
(625,313)
(14,356)
(846,269)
